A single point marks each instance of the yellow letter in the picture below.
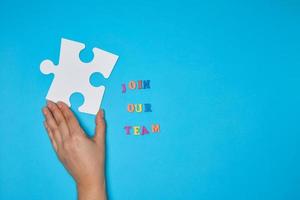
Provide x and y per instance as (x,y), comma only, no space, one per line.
(136,130)
(138,107)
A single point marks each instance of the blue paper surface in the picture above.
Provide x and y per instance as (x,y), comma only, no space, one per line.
(225,78)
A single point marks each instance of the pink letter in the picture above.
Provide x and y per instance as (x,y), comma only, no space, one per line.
(140,84)
(123,88)
(127,129)
(144,130)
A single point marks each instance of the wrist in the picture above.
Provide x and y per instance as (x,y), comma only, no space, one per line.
(91,191)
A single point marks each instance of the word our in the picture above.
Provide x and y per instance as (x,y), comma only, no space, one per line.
(141,130)
(133,85)
(139,108)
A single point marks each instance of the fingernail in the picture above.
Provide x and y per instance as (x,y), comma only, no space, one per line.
(59,104)
(50,104)
(44,111)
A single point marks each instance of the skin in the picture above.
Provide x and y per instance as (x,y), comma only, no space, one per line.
(83,157)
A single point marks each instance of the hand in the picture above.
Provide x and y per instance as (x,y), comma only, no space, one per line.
(83,157)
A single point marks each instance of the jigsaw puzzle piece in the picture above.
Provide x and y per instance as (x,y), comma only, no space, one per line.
(47,67)
(92,99)
(72,75)
(60,91)
(103,62)
(69,53)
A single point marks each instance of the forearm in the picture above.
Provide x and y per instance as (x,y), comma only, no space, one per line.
(92,192)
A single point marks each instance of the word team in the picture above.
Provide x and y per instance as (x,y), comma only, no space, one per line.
(141,130)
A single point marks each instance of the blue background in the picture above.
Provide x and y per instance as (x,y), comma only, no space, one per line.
(225,83)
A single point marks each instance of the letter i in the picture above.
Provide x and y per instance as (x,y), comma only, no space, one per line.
(140,84)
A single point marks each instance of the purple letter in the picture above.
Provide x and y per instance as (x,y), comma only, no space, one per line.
(127,129)
(123,88)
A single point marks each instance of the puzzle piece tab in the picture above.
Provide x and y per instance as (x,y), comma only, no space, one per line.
(72,75)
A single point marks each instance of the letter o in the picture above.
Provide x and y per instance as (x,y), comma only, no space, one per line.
(132,85)
(130,107)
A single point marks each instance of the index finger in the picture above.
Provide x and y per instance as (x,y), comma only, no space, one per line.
(70,118)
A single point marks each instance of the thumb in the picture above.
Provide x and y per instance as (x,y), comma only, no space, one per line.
(99,137)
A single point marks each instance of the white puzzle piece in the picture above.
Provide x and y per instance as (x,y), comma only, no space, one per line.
(72,75)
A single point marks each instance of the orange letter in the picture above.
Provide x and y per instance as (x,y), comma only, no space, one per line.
(132,85)
(130,108)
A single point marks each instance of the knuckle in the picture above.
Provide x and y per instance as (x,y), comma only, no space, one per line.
(60,122)
(101,122)
(68,117)
(77,138)
(53,109)
(54,129)
(76,141)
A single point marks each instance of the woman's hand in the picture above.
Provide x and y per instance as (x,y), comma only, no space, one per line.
(83,157)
